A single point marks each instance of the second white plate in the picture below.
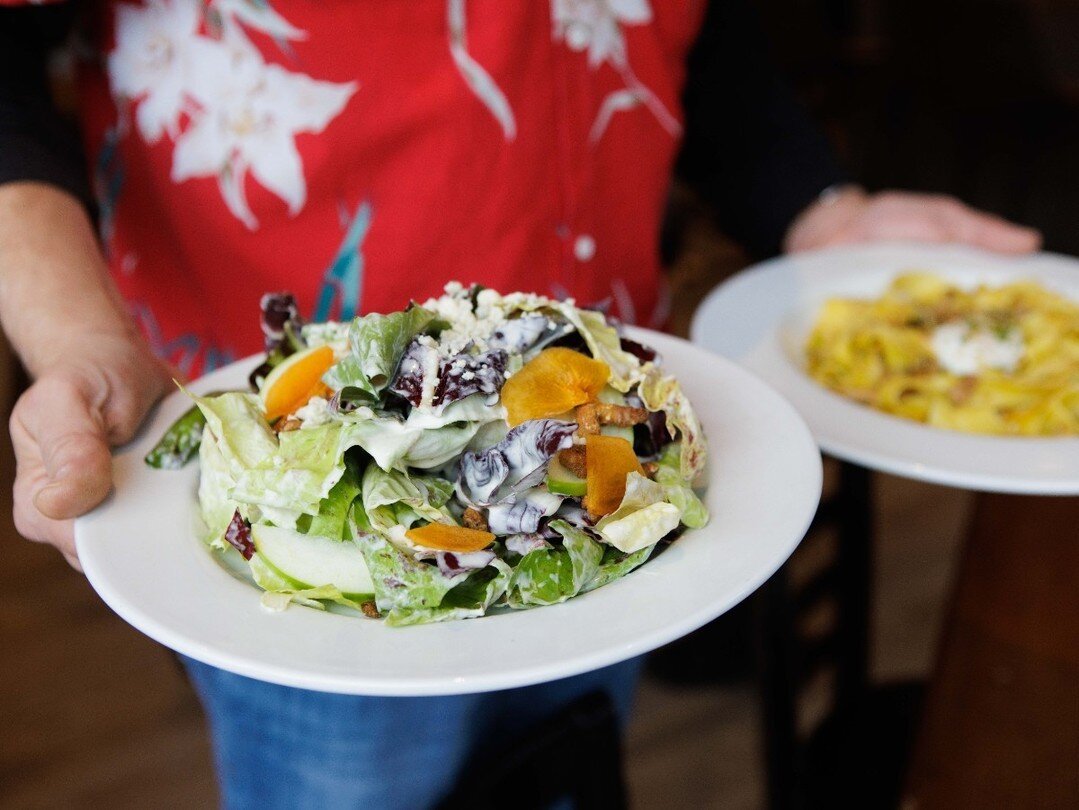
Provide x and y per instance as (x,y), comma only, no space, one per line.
(762,316)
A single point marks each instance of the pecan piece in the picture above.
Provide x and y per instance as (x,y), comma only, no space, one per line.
(370,610)
(573,459)
(474,519)
(285,425)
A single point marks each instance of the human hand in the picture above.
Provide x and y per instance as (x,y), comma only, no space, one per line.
(62,429)
(849,215)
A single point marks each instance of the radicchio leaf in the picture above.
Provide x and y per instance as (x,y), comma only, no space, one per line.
(238,535)
(493,474)
(280,314)
(466,374)
(459,376)
(524,543)
(523,513)
(643,353)
(452,563)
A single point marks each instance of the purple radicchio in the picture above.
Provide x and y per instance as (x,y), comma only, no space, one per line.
(458,376)
(524,543)
(523,512)
(653,435)
(238,535)
(280,314)
(452,563)
(492,475)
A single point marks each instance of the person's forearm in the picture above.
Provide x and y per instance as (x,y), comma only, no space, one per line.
(55,292)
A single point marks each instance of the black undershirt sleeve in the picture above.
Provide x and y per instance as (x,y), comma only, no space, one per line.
(36,141)
(750,149)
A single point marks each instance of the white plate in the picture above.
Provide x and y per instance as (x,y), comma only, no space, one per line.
(762,316)
(141,556)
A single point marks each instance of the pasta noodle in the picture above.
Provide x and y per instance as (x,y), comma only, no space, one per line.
(1001,360)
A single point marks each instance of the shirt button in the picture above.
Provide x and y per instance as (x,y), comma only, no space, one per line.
(584,248)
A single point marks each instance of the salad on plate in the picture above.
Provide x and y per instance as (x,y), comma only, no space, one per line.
(474,452)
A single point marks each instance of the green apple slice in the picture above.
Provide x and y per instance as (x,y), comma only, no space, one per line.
(563,482)
(310,561)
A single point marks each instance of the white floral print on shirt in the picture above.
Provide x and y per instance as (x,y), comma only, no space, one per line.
(596,26)
(242,113)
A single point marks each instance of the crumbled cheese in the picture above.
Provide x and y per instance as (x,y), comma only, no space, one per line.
(330,333)
(315,413)
(963,349)
(472,329)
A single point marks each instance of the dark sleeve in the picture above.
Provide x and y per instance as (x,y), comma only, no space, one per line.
(36,141)
(750,149)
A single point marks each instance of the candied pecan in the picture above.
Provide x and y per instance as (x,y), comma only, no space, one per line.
(474,519)
(370,609)
(285,425)
(650,468)
(587,419)
(620,415)
(573,459)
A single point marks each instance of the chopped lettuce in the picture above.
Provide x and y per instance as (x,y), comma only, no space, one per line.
(616,564)
(376,343)
(661,392)
(678,492)
(642,519)
(548,576)
(333,512)
(393,500)
(412,592)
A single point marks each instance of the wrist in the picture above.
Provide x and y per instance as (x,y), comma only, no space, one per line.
(825,217)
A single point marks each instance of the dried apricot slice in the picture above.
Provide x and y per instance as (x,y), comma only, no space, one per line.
(608,460)
(553,382)
(444,537)
(289,386)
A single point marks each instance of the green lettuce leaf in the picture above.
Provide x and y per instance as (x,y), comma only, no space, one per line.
(548,576)
(660,392)
(616,564)
(376,344)
(411,592)
(678,492)
(333,512)
(393,501)
(642,519)
(215,482)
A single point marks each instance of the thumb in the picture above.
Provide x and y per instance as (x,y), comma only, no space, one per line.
(73,450)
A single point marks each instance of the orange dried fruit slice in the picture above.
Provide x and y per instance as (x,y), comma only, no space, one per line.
(444,537)
(553,382)
(608,460)
(295,381)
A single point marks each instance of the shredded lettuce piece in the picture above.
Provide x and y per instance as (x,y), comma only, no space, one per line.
(660,392)
(548,576)
(412,592)
(377,343)
(678,492)
(616,564)
(642,519)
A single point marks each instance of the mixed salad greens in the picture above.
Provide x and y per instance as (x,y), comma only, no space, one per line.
(428,464)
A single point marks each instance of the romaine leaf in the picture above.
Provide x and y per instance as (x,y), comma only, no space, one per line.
(642,519)
(411,592)
(678,492)
(660,392)
(333,512)
(548,576)
(616,564)
(377,343)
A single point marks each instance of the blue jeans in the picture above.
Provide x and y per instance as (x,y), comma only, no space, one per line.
(280,747)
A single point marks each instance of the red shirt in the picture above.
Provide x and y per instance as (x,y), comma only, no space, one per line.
(361,153)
